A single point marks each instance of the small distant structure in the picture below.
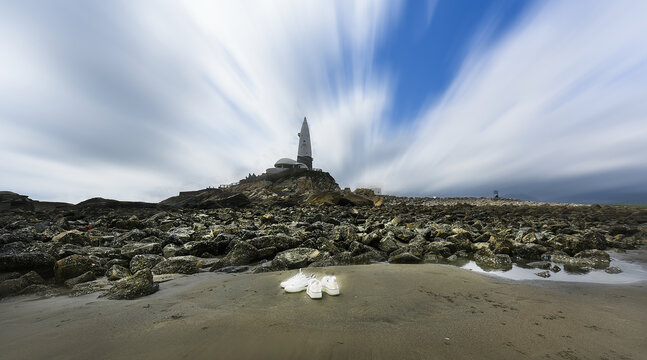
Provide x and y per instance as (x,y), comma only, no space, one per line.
(304,154)
(496,194)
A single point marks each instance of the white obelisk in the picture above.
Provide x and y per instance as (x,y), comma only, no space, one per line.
(305,150)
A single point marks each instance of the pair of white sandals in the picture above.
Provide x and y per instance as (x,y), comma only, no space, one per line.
(313,287)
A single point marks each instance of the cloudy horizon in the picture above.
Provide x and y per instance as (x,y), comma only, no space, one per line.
(542,100)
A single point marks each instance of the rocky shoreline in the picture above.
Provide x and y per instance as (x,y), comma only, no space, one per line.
(124,250)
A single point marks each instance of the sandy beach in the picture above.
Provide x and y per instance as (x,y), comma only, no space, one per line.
(384,312)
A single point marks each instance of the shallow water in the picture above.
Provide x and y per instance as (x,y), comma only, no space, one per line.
(632,271)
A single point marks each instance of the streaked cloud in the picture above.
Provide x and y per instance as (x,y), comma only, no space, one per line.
(558,101)
(141,99)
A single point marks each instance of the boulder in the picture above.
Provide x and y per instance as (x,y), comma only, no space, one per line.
(598,257)
(41,262)
(242,253)
(388,244)
(172,250)
(85,277)
(441,247)
(544,265)
(75,265)
(544,274)
(528,251)
(345,233)
(280,241)
(100,251)
(137,248)
(72,237)
(343,198)
(90,287)
(117,272)
(199,247)
(612,270)
(138,285)
(357,248)
(365,258)
(590,240)
(296,258)
(405,258)
(487,259)
(15,286)
(144,261)
(177,265)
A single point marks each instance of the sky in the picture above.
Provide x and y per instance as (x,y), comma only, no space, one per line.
(138,100)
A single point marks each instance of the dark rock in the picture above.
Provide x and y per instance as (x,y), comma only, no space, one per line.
(613,270)
(529,251)
(75,265)
(544,274)
(441,247)
(199,247)
(296,258)
(487,259)
(9,275)
(342,198)
(145,261)
(599,257)
(544,265)
(357,248)
(72,237)
(138,285)
(172,250)
(177,265)
(15,286)
(432,258)
(208,199)
(39,261)
(90,287)
(279,241)
(12,201)
(137,248)
(85,277)
(267,252)
(242,253)
(365,258)
(388,244)
(117,272)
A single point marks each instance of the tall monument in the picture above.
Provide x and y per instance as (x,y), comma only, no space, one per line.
(305,150)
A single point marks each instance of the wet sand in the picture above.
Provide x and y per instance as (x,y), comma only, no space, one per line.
(384,312)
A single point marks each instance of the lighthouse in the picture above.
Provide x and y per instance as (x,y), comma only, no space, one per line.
(304,154)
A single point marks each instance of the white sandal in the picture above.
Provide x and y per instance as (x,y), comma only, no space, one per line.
(314,289)
(329,285)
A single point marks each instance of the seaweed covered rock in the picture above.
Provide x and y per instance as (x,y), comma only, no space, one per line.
(145,261)
(138,285)
(15,286)
(177,265)
(296,258)
(487,259)
(75,265)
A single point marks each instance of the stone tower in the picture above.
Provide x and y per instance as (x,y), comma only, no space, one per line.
(305,150)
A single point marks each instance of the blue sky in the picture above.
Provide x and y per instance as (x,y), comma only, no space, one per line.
(140,100)
(429,42)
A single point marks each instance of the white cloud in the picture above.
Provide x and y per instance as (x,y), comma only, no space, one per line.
(140,99)
(560,97)
(154,97)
